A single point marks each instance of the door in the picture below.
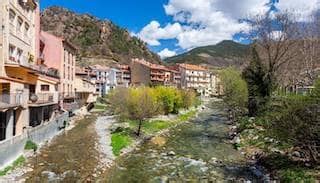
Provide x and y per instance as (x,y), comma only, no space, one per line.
(3,125)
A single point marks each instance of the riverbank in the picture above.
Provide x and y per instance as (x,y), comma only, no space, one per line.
(283,162)
(46,152)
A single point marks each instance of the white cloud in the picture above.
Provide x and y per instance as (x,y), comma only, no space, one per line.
(165,53)
(206,22)
(152,33)
(302,8)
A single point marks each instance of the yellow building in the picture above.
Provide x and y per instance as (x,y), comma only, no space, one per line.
(28,90)
(85,88)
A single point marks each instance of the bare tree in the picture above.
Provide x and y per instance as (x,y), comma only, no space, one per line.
(310,50)
(275,40)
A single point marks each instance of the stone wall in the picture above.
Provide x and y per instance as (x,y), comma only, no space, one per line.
(12,148)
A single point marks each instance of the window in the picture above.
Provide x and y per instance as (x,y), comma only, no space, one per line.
(45,87)
(26,29)
(19,24)
(12,50)
(19,55)
(12,16)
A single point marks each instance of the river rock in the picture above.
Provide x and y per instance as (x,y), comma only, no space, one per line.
(171,153)
(296,154)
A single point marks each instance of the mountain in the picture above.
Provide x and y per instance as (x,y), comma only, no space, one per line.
(223,54)
(98,41)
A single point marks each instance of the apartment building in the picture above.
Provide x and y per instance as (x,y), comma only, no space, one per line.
(173,77)
(85,89)
(28,89)
(125,75)
(195,77)
(105,78)
(146,73)
(61,55)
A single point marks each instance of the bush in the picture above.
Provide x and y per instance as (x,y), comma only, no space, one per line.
(298,125)
(31,146)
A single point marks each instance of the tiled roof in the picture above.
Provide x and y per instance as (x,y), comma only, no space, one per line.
(100,67)
(151,65)
(192,67)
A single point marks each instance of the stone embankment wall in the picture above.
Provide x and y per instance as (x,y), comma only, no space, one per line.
(12,148)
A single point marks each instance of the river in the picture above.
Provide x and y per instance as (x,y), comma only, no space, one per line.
(196,151)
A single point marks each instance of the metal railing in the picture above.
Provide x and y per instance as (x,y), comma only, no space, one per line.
(42,98)
(11,99)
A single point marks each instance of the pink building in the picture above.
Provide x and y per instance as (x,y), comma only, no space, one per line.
(57,53)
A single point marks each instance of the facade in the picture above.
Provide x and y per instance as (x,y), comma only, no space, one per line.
(28,88)
(104,77)
(146,73)
(61,55)
(125,75)
(195,77)
(85,88)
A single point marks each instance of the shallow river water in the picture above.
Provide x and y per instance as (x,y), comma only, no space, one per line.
(196,151)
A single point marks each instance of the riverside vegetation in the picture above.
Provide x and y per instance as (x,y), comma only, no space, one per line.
(276,126)
(135,107)
(279,131)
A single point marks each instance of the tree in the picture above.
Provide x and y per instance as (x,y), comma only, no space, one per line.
(259,86)
(275,42)
(309,51)
(235,89)
(136,104)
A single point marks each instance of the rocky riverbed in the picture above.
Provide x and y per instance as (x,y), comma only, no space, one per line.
(195,151)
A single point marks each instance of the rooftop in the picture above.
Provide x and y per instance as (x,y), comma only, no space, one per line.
(192,67)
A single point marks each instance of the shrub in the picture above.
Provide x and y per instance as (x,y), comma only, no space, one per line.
(31,146)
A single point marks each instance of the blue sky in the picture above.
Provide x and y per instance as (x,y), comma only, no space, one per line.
(171,27)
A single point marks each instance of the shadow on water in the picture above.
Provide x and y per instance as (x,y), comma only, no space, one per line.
(197,151)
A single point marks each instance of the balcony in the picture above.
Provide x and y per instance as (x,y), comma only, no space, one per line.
(40,99)
(72,106)
(11,100)
(22,61)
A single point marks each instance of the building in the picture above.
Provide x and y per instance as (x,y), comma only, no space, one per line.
(173,77)
(28,88)
(146,73)
(61,55)
(195,77)
(125,75)
(104,77)
(85,88)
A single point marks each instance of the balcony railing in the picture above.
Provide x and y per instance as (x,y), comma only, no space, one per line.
(11,100)
(43,98)
(70,106)
(22,61)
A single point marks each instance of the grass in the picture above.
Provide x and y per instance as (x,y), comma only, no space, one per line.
(186,116)
(100,106)
(30,146)
(18,162)
(120,141)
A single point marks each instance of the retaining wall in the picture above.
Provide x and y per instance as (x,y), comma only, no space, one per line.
(12,148)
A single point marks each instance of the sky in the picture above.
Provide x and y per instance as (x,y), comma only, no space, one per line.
(171,27)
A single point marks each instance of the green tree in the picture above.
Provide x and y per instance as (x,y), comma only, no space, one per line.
(259,84)
(235,89)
